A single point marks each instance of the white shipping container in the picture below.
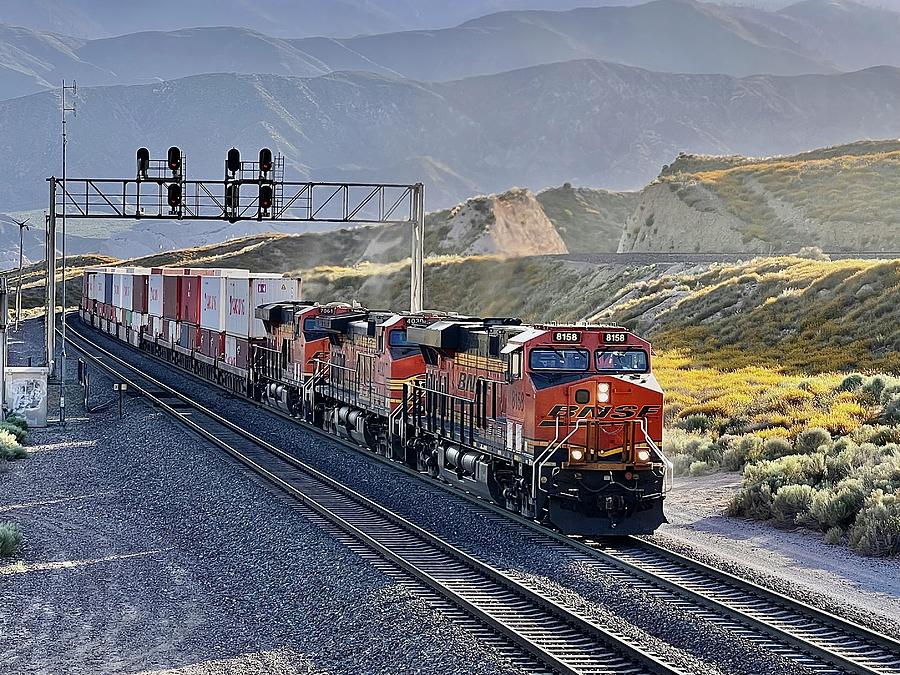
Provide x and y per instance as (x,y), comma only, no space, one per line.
(212,303)
(245,295)
(156,326)
(97,287)
(117,289)
(155,295)
(127,290)
(237,308)
(137,321)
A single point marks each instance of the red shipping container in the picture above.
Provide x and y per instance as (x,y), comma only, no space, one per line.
(139,293)
(189,302)
(172,297)
(212,344)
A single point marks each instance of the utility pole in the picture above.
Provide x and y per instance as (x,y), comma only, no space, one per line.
(4,311)
(62,371)
(23,225)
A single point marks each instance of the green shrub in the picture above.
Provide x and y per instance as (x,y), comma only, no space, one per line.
(810,440)
(851,383)
(834,536)
(16,431)
(10,448)
(876,530)
(776,448)
(700,468)
(754,501)
(876,434)
(891,408)
(837,506)
(790,502)
(17,420)
(698,422)
(681,464)
(10,538)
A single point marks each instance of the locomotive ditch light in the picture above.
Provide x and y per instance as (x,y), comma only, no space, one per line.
(603,392)
(143,163)
(233,161)
(643,455)
(576,456)
(174,160)
(265,161)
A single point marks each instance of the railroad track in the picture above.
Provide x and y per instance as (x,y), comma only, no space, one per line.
(542,628)
(818,640)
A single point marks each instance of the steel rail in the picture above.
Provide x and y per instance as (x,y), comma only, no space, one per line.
(554,634)
(795,629)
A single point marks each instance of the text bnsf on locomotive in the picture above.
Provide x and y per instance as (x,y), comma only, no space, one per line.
(560,423)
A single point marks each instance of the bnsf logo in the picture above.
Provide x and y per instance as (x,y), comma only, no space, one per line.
(607,412)
(237,306)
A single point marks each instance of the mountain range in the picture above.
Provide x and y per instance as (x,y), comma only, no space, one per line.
(585,122)
(669,35)
(678,36)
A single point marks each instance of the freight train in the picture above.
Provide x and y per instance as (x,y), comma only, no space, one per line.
(559,423)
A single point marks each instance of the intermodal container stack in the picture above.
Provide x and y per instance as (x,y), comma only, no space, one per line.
(208,311)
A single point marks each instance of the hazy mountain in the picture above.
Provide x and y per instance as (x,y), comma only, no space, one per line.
(663,35)
(852,35)
(284,18)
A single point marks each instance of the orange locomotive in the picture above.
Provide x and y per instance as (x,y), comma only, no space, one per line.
(558,423)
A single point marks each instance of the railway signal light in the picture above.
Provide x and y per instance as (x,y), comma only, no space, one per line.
(233,162)
(143,162)
(174,195)
(232,199)
(265,198)
(174,160)
(265,161)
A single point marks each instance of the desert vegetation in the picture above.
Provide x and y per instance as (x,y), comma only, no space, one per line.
(12,435)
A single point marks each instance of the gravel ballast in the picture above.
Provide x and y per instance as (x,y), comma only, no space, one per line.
(695,644)
(147,550)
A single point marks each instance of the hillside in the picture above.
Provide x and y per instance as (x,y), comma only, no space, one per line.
(840,199)
(588,220)
(663,35)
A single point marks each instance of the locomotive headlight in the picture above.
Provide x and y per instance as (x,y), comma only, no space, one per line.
(576,455)
(603,392)
(643,455)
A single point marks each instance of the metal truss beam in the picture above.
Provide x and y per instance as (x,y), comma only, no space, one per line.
(293,201)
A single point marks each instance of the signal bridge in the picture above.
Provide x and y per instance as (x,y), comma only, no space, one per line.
(249,190)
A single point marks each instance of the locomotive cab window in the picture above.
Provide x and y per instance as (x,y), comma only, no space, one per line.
(311,329)
(622,361)
(559,359)
(400,345)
